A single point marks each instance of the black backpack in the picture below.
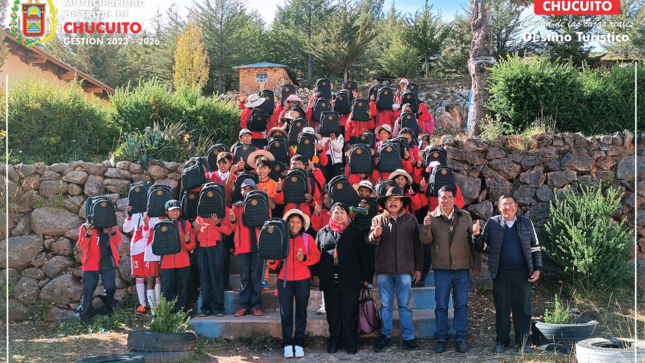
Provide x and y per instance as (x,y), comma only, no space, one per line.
(273,243)
(307,145)
(409,120)
(193,173)
(158,195)
(243,151)
(302,113)
(189,203)
(286,90)
(100,212)
(411,87)
(296,184)
(368,138)
(269,101)
(350,85)
(212,153)
(329,122)
(241,177)
(403,145)
(440,176)
(256,209)
(323,85)
(343,102)
(166,238)
(383,186)
(373,91)
(278,170)
(212,199)
(360,110)
(385,98)
(257,120)
(360,159)
(341,190)
(364,222)
(411,98)
(295,128)
(138,196)
(390,155)
(321,105)
(435,154)
(279,148)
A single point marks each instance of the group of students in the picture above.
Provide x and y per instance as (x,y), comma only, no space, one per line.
(299,161)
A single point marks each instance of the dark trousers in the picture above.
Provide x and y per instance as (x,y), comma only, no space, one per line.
(226,270)
(427,262)
(174,284)
(299,290)
(512,293)
(194,280)
(91,281)
(210,260)
(342,316)
(251,272)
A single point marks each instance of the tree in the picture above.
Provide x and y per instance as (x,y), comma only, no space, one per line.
(574,50)
(399,59)
(631,12)
(191,60)
(507,24)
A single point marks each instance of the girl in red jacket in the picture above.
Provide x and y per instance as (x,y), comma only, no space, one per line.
(175,269)
(99,258)
(303,253)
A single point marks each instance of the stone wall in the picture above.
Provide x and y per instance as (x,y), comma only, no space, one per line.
(47,202)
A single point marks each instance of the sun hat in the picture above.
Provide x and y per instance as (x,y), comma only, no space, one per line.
(305,217)
(254,101)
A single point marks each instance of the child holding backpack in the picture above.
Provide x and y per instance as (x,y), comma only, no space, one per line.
(143,278)
(303,253)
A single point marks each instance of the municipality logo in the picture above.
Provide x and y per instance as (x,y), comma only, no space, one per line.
(33,23)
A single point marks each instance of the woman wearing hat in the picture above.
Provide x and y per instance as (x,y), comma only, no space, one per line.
(384,133)
(258,139)
(295,271)
(292,109)
(342,272)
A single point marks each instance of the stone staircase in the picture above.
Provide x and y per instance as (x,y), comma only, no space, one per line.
(422,303)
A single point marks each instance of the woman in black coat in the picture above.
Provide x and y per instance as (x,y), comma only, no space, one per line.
(342,271)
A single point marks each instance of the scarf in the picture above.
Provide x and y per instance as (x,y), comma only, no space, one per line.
(338,227)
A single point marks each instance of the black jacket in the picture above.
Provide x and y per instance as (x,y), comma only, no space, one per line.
(353,256)
(493,235)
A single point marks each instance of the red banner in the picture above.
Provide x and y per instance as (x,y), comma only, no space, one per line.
(577,7)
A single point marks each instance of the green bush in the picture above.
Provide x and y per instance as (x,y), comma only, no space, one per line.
(593,102)
(588,247)
(50,123)
(135,109)
(559,315)
(166,320)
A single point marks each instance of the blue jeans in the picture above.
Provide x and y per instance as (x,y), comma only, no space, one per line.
(459,280)
(403,285)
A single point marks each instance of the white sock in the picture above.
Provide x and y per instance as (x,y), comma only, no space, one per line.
(322,298)
(141,291)
(152,301)
(158,289)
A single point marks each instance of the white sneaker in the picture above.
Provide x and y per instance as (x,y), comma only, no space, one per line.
(288,351)
(321,311)
(299,352)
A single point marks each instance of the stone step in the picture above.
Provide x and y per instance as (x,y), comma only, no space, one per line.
(422,298)
(234,280)
(249,326)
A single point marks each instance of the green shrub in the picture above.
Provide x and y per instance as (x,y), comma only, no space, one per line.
(588,247)
(559,315)
(135,109)
(50,123)
(165,320)
(38,310)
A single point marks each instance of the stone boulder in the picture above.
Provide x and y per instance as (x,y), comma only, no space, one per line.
(524,195)
(34,273)
(52,188)
(17,311)
(470,187)
(125,269)
(62,247)
(625,169)
(115,173)
(58,167)
(22,228)
(534,178)
(26,170)
(56,314)
(21,250)
(495,153)
(544,194)
(57,266)
(53,221)
(506,167)
(497,187)
(63,290)
(50,175)
(124,247)
(74,190)
(31,182)
(157,172)
(93,186)
(93,169)
(74,204)
(483,210)
(559,179)
(116,185)
(539,212)
(26,290)
(76,177)
(25,202)
(577,162)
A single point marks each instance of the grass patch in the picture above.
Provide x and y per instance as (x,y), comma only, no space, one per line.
(38,310)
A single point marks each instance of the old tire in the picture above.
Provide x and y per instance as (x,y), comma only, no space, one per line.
(612,350)
(163,357)
(567,334)
(126,358)
(145,341)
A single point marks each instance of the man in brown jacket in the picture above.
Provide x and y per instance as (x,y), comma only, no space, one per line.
(399,255)
(453,255)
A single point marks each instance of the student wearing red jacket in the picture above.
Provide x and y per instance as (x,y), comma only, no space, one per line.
(404,181)
(321,215)
(382,117)
(354,129)
(298,161)
(175,269)
(303,253)
(100,258)
(259,137)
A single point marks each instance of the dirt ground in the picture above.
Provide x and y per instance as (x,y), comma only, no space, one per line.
(39,342)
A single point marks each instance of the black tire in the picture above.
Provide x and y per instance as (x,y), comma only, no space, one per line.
(145,341)
(614,350)
(163,357)
(128,358)
(567,334)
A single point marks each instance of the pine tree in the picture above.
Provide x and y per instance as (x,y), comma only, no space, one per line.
(574,50)
(191,61)
(632,13)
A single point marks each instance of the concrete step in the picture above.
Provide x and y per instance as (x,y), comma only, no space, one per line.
(422,298)
(234,280)
(249,326)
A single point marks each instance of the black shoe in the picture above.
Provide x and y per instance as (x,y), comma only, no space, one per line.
(440,347)
(419,284)
(383,341)
(332,349)
(410,345)
(500,348)
(352,350)
(460,346)
(86,319)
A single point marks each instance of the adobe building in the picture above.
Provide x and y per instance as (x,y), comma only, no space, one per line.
(256,77)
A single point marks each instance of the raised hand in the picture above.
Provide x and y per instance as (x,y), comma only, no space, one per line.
(422,186)
(146,219)
(196,225)
(379,229)
(278,185)
(311,165)
(362,203)
(477,228)
(240,164)
(308,197)
(214,218)
(317,209)
(427,221)
(231,217)
(332,136)
(300,256)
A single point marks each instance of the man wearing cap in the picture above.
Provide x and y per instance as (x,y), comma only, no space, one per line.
(259,137)
(399,257)
(450,231)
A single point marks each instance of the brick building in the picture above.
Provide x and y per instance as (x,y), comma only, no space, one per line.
(259,76)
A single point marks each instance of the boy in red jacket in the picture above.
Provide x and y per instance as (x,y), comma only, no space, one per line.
(100,258)
(175,269)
